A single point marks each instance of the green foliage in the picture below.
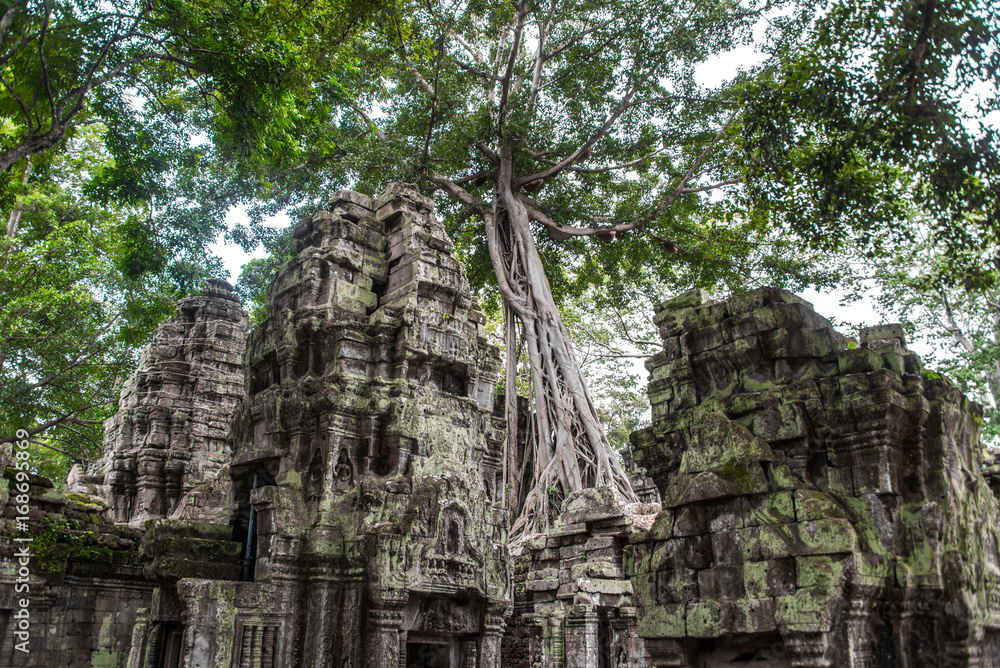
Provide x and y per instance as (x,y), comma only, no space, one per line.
(71,317)
(127,132)
(878,111)
(378,122)
(62,538)
(50,463)
(959,319)
(611,344)
(204,104)
(659,138)
(258,273)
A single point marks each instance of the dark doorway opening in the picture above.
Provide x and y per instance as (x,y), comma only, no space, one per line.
(604,655)
(173,634)
(428,655)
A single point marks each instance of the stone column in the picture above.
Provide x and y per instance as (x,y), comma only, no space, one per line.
(493,627)
(150,485)
(859,632)
(322,621)
(470,655)
(201,634)
(121,483)
(807,650)
(581,637)
(155,647)
(173,474)
(385,620)
(553,640)
(628,649)
(402,649)
(903,632)
(137,646)
(349,627)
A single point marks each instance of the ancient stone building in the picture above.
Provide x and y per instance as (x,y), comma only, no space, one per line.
(823,503)
(86,584)
(822,506)
(364,459)
(170,432)
(332,498)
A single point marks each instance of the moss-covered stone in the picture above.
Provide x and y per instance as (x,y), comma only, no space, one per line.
(872,493)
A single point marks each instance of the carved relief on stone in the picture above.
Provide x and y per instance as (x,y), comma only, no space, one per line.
(174,411)
(452,561)
(342,472)
(314,485)
(358,426)
(440,615)
(258,643)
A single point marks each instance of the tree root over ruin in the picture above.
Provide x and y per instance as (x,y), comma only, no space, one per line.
(570,449)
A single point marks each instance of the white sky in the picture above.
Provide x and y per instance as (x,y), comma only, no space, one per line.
(233,257)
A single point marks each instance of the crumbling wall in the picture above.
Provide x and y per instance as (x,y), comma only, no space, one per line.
(573,600)
(84,579)
(169,434)
(823,502)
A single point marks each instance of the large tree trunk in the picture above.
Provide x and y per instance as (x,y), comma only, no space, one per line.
(571,450)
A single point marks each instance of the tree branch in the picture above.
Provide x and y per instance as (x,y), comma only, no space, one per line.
(44,426)
(467,199)
(536,76)
(952,327)
(608,124)
(488,152)
(45,66)
(701,189)
(75,458)
(15,216)
(468,49)
(570,42)
(360,112)
(473,70)
(6,20)
(20,103)
(423,82)
(565,231)
(515,46)
(624,165)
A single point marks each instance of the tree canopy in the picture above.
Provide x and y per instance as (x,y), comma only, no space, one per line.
(70,319)
(882,110)
(127,131)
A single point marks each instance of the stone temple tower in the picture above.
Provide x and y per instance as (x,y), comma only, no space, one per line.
(365,456)
(170,432)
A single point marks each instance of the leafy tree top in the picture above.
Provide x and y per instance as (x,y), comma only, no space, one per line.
(634,171)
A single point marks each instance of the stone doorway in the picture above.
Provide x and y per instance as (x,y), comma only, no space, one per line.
(170,655)
(428,655)
(773,656)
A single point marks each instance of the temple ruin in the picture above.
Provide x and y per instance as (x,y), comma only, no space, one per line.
(170,432)
(327,490)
